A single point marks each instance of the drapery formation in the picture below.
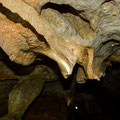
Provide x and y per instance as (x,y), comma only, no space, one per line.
(86,32)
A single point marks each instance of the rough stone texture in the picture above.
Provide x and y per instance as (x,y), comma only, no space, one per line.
(86,32)
(22,88)
(18,42)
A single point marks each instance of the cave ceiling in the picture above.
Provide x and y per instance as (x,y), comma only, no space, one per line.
(83,32)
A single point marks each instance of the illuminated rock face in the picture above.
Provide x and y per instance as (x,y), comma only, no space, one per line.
(69,32)
(86,32)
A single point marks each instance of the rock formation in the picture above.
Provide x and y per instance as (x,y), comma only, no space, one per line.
(84,32)
(69,32)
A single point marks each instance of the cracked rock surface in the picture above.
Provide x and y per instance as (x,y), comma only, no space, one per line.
(67,31)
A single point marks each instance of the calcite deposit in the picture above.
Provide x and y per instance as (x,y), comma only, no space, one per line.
(83,32)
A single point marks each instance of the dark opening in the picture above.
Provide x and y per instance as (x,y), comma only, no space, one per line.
(61,8)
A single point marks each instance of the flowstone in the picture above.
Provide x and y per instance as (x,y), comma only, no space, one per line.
(86,32)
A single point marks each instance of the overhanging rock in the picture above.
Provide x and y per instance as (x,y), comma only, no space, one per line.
(69,32)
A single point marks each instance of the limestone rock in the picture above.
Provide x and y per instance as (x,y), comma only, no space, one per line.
(82,31)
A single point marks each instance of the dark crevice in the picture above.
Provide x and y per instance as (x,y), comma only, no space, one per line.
(106,43)
(64,8)
(61,8)
(17,19)
(110,41)
(110,52)
(107,1)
